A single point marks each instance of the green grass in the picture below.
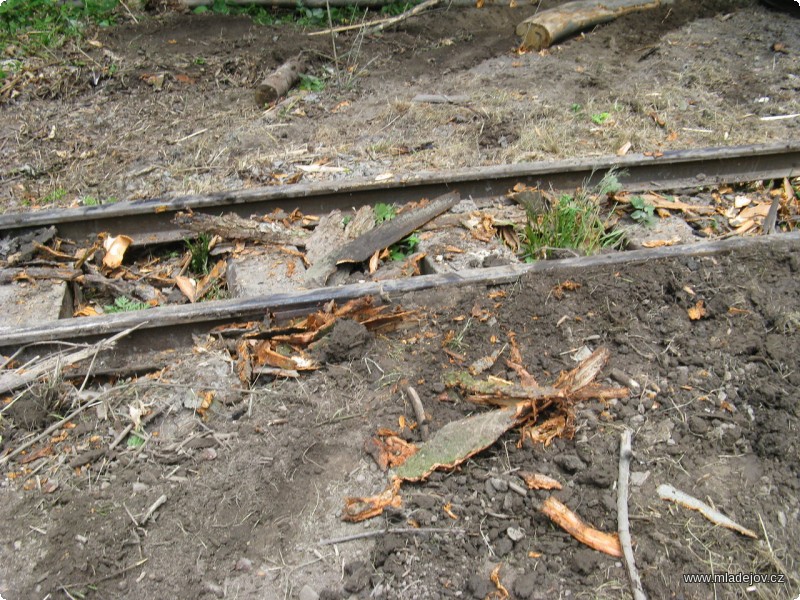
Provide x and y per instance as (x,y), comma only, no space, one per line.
(573,222)
(93,201)
(54,196)
(200,250)
(30,25)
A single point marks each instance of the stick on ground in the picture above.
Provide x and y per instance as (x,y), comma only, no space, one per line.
(623,526)
(396,530)
(419,411)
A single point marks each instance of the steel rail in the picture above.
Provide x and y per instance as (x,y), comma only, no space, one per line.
(150,221)
(167,327)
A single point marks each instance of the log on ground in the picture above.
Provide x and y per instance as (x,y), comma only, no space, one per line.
(550,26)
(280,81)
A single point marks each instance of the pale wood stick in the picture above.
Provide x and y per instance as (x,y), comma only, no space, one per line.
(623,525)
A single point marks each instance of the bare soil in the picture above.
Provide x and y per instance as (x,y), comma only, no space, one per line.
(253,489)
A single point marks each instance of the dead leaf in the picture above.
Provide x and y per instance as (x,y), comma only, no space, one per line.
(187,286)
(205,404)
(374,262)
(115,250)
(697,311)
(572,524)
(86,311)
(570,286)
(182,78)
(448,510)
(537,481)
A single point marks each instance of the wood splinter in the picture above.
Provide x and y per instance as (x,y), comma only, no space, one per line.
(280,81)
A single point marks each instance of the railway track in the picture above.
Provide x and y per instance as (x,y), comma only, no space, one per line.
(150,221)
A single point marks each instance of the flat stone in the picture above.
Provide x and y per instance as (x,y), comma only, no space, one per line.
(308,593)
(672,228)
(271,271)
(475,254)
(33,303)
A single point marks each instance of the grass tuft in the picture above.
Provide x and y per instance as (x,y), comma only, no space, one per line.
(573,222)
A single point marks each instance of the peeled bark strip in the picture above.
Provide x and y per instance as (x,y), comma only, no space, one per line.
(550,26)
(280,81)
(573,525)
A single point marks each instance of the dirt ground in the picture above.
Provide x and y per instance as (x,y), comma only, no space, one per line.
(251,492)
(167,105)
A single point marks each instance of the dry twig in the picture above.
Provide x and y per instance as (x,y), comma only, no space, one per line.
(623,526)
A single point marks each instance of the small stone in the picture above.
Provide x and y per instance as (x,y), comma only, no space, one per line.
(139,487)
(17,545)
(639,477)
(782,518)
(208,454)
(569,463)
(244,564)
(515,533)
(308,593)
(682,375)
(501,485)
(123,584)
(503,546)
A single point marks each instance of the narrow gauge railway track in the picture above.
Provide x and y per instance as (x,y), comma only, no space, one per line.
(150,221)
(172,326)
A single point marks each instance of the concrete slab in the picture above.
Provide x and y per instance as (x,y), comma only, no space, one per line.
(31,303)
(672,229)
(441,256)
(266,271)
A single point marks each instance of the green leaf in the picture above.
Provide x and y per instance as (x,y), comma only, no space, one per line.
(310,83)
(124,304)
(135,440)
(384,212)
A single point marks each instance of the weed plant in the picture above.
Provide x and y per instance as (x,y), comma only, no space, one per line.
(573,222)
(200,250)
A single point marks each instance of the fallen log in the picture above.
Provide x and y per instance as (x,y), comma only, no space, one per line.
(550,26)
(280,81)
